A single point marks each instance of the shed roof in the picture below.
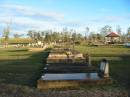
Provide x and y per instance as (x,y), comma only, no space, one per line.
(112,34)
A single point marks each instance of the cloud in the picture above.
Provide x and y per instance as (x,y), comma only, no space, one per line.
(114,18)
(31,12)
(110,19)
(26,23)
(25,18)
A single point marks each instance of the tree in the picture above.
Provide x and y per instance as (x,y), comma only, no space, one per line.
(106,30)
(99,37)
(31,34)
(35,35)
(128,31)
(74,36)
(79,36)
(43,35)
(66,34)
(55,36)
(128,34)
(87,33)
(6,33)
(118,29)
(93,37)
(18,35)
(47,37)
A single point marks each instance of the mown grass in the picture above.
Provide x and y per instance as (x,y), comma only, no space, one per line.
(20,66)
(118,57)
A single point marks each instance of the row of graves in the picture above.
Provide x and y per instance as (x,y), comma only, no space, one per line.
(68,68)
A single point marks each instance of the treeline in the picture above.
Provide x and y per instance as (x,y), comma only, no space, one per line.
(67,35)
(52,36)
(71,35)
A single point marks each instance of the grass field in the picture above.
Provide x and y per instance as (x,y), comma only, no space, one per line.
(20,66)
(119,60)
(23,67)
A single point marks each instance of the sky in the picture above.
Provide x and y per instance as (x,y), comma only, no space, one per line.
(24,15)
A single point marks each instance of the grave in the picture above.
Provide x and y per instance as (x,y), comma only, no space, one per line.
(65,56)
(62,73)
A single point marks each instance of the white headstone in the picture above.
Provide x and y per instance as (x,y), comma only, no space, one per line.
(104,68)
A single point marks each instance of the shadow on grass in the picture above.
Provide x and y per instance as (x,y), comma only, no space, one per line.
(23,71)
(119,70)
(18,50)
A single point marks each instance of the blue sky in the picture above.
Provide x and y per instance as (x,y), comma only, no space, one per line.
(56,14)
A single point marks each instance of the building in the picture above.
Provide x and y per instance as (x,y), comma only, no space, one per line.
(112,38)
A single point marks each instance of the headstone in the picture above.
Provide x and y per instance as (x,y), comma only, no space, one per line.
(104,68)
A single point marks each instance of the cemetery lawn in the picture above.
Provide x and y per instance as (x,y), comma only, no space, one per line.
(119,60)
(19,66)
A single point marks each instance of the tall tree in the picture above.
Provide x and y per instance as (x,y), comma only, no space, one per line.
(128,31)
(66,34)
(87,33)
(118,29)
(128,34)
(6,33)
(106,30)
(31,34)
(38,36)
(79,36)
(17,35)
(74,36)
(48,37)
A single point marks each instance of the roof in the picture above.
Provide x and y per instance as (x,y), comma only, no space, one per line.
(112,34)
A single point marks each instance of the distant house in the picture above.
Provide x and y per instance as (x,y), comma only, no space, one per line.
(127,44)
(112,38)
